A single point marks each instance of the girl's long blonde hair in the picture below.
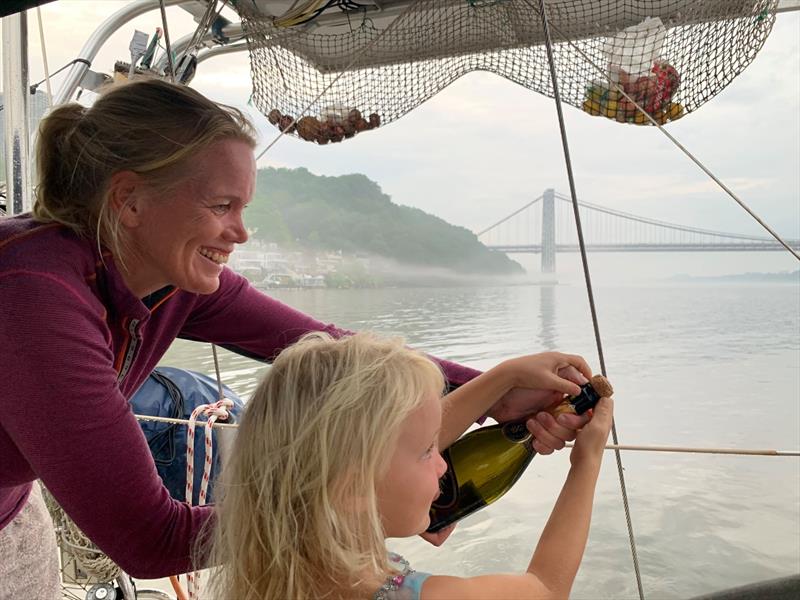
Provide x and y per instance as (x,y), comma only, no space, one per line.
(297,510)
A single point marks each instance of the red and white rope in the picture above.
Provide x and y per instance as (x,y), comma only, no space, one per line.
(212,412)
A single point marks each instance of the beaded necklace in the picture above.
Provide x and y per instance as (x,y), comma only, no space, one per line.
(394,582)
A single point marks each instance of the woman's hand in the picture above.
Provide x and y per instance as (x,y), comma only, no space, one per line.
(553,371)
(591,440)
(515,389)
(556,374)
(438,538)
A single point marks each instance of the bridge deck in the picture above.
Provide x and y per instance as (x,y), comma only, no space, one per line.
(721,247)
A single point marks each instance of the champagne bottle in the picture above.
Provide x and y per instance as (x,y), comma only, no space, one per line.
(483,464)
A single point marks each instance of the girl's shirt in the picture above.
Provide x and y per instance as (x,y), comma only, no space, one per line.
(406,585)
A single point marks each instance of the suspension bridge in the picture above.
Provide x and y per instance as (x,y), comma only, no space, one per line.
(546,226)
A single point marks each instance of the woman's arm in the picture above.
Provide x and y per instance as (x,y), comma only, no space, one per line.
(68,424)
(245,320)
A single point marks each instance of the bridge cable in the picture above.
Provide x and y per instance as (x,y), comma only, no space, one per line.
(504,219)
(667,224)
(584,259)
(619,89)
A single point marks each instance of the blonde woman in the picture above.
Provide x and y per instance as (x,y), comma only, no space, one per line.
(138,207)
(339,449)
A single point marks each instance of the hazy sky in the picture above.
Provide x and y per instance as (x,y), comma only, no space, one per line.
(485,146)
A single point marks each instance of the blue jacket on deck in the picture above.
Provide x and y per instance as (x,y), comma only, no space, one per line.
(172,392)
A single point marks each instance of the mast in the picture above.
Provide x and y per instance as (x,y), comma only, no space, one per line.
(15,112)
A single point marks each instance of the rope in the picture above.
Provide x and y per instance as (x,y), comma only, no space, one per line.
(212,412)
(355,58)
(565,144)
(671,138)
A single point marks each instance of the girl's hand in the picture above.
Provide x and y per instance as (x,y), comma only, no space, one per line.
(591,440)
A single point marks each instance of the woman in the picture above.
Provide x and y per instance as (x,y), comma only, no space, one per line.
(139,205)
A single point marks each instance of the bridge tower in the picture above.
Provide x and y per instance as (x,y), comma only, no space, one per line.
(549,231)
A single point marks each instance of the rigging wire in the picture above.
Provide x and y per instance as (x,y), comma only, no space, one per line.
(216,369)
(170,58)
(587,276)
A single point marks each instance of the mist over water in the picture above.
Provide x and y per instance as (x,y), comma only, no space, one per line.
(693,364)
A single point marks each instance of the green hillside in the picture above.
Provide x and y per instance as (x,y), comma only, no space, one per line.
(296,208)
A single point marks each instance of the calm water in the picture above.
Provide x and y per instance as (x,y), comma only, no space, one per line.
(696,365)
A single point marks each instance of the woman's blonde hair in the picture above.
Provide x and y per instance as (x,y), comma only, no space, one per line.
(297,509)
(148,126)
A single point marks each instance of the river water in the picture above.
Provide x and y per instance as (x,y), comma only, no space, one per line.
(708,365)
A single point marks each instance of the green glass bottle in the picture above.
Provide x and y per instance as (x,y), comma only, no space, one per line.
(483,464)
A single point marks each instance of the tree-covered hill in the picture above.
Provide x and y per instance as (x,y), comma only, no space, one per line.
(294,207)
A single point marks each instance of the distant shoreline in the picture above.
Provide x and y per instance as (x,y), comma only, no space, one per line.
(779,277)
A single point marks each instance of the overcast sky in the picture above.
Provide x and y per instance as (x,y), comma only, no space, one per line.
(485,146)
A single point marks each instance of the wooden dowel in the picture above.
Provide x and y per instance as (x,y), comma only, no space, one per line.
(739,451)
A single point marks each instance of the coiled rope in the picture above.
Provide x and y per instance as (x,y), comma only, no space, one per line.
(212,412)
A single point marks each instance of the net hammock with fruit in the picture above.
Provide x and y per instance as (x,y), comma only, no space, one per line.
(346,67)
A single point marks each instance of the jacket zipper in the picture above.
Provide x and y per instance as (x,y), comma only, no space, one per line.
(130,351)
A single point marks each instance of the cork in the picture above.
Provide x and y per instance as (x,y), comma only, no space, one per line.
(599,384)
(602,386)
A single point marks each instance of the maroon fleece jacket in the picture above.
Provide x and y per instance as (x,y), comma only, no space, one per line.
(75,344)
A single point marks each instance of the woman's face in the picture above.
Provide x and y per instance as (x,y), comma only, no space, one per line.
(411,484)
(185,239)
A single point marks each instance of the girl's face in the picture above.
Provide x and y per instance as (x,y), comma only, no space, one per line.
(411,484)
(185,239)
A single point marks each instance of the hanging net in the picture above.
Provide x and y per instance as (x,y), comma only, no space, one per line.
(343,68)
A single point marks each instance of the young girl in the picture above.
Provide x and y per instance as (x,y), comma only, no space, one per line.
(339,449)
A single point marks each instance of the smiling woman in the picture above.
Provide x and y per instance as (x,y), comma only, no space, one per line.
(186,240)
(138,207)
